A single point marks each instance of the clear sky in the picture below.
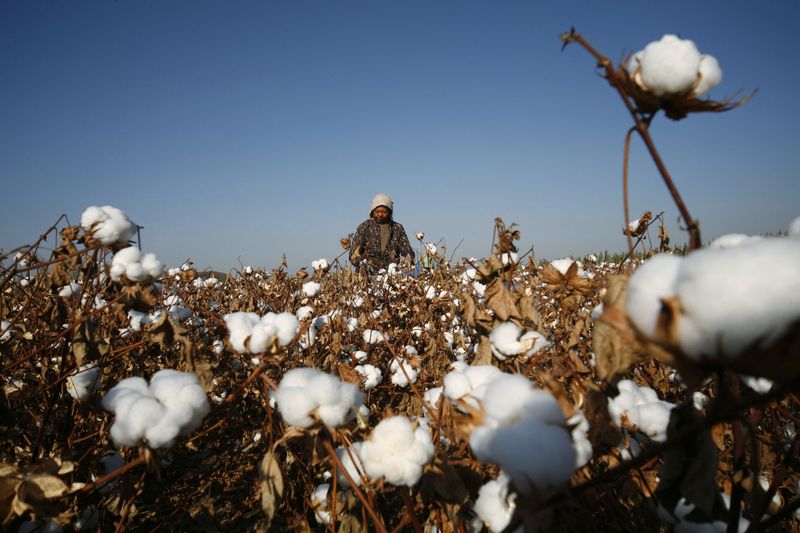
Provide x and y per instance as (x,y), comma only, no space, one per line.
(242,130)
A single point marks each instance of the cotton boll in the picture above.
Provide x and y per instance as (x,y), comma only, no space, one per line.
(669,66)
(794,228)
(295,406)
(240,326)
(134,418)
(495,505)
(403,373)
(132,385)
(580,438)
(510,396)
(286,325)
(135,272)
(372,375)
(304,392)
(304,313)
(536,341)
(563,265)
(633,63)
(457,385)
(351,460)
(311,288)
(152,266)
(737,297)
(108,224)
(397,451)
(83,382)
(711,75)
(372,336)
(733,239)
(642,408)
(504,339)
(651,282)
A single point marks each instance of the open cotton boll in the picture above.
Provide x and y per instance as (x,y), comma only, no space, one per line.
(651,282)
(306,394)
(351,460)
(670,65)
(151,265)
(794,228)
(634,62)
(319,503)
(495,505)
(311,288)
(710,75)
(469,381)
(642,408)
(240,327)
(403,373)
(735,298)
(507,339)
(286,326)
(320,264)
(372,375)
(373,336)
(304,313)
(517,419)
(580,438)
(562,265)
(5,330)
(397,451)
(83,382)
(733,239)
(73,289)
(108,224)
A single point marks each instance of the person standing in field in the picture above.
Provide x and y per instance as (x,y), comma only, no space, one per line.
(379,240)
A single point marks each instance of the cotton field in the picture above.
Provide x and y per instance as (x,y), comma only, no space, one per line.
(510,392)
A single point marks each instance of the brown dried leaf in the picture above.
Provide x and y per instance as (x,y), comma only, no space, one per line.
(499,300)
(483,354)
(443,482)
(272,486)
(166,331)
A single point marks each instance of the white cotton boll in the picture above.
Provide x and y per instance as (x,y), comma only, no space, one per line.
(633,63)
(83,382)
(304,392)
(286,325)
(135,272)
(68,291)
(152,266)
(403,373)
(710,75)
(642,408)
(580,438)
(351,323)
(295,406)
(563,265)
(737,297)
(134,417)
(430,248)
(651,282)
(495,505)
(760,385)
(319,503)
(504,339)
(669,66)
(372,375)
(360,355)
(396,451)
(240,326)
(509,258)
(138,319)
(430,292)
(109,225)
(457,385)
(510,447)
(351,460)
(536,341)
(5,330)
(373,336)
(511,396)
(117,395)
(794,228)
(320,264)
(308,338)
(311,288)
(410,350)
(733,239)
(431,396)
(480,288)
(305,312)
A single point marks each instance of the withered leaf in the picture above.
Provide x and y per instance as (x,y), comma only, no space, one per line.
(272,486)
(443,482)
(483,354)
(349,523)
(165,331)
(499,300)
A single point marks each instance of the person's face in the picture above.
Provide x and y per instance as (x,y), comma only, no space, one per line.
(381,214)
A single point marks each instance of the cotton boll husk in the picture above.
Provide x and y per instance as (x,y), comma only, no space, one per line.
(651,282)
(512,446)
(494,506)
(711,75)
(397,451)
(738,297)
(669,66)
(633,63)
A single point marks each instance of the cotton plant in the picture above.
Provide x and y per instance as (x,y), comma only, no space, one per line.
(70,290)
(642,408)
(249,333)
(130,262)
(722,304)
(320,265)
(673,66)
(108,225)
(306,396)
(403,373)
(311,288)
(507,340)
(373,336)
(155,414)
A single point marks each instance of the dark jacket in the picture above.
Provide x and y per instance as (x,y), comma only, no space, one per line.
(366,245)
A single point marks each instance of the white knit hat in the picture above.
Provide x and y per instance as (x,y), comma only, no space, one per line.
(381,200)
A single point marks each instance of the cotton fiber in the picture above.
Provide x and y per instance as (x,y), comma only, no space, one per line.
(108,225)
(307,395)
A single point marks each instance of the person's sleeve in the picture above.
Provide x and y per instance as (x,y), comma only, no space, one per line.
(404,245)
(357,245)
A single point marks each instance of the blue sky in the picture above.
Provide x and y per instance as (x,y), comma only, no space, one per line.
(242,130)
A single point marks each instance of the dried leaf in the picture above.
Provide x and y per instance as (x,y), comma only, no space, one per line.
(271,484)
(483,354)
(443,480)
(499,300)
(166,331)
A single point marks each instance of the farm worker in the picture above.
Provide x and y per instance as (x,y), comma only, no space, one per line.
(379,240)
